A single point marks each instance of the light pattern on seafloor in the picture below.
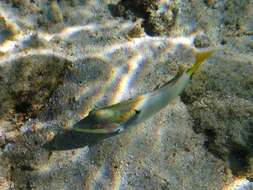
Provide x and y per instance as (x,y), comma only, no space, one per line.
(118,87)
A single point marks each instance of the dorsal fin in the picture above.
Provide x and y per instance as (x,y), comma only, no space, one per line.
(181,70)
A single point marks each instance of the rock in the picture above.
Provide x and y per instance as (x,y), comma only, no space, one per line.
(55,12)
(2,138)
(158,17)
(34,41)
(7,30)
(202,41)
(20,3)
(223,110)
(210,3)
(30,82)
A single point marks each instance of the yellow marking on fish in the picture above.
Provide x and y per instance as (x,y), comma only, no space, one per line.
(200,57)
(121,109)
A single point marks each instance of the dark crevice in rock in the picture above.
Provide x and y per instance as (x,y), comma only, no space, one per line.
(211,135)
(23,107)
(239,160)
(26,168)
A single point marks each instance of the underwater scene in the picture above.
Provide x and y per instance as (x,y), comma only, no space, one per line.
(126,94)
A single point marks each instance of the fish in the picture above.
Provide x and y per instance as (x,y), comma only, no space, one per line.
(117,117)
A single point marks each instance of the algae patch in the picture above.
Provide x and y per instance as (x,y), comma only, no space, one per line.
(221,105)
(30,82)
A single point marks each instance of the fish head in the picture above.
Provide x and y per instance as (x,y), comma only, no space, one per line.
(96,122)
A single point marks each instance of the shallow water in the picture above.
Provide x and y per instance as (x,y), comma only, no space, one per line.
(65,58)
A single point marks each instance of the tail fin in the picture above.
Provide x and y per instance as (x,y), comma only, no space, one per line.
(200,57)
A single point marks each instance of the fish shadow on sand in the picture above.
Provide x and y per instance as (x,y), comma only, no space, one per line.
(70,139)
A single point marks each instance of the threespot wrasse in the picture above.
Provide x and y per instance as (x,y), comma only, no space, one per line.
(117,117)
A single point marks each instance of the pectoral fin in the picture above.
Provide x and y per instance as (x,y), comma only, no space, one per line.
(133,118)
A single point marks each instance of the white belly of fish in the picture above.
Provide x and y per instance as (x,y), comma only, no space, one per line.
(155,101)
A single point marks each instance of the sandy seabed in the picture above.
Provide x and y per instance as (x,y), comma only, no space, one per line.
(60,59)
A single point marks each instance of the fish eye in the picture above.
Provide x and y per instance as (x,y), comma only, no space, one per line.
(92,112)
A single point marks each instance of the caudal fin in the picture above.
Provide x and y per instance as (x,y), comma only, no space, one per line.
(200,57)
